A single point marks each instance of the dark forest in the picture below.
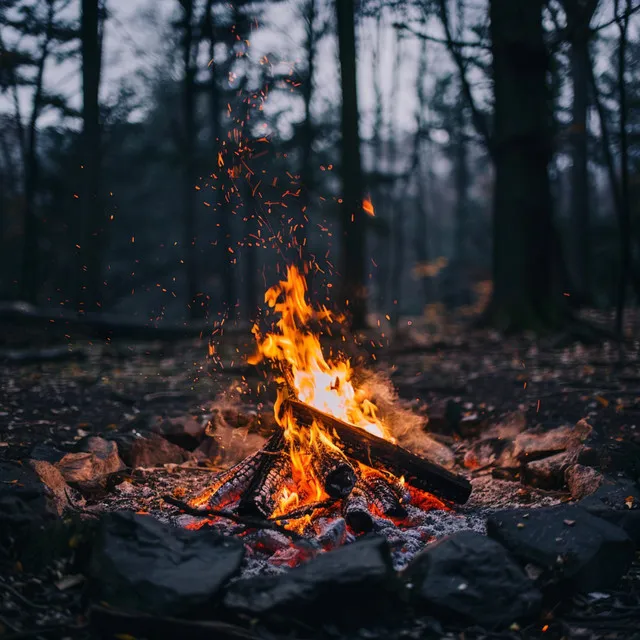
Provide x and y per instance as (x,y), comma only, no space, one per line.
(319,319)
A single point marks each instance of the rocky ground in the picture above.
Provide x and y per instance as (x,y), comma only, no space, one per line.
(89,429)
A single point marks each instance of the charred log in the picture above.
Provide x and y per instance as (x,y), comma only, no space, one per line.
(260,497)
(356,511)
(231,484)
(378,453)
(335,471)
(383,496)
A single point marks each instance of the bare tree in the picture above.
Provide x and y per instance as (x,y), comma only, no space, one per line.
(92,212)
(526,295)
(352,219)
(579,14)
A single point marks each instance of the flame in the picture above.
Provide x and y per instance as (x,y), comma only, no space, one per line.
(367,207)
(295,352)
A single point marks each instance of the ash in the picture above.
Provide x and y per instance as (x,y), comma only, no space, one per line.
(271,552)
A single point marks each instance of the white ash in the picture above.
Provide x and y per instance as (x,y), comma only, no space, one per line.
(270,552)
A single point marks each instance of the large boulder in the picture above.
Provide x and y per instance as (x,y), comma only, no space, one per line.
(339,584)
(140,564)
(618,503)
(564,547)
(470,577)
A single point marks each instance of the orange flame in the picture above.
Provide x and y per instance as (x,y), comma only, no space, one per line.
(295,351)
(367,207)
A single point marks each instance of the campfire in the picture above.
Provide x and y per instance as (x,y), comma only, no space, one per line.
(331,454)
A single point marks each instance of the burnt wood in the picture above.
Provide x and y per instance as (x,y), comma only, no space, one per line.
(258,498)
(356,510)
(381,454)
(334,470)
(383,496)
(231,484)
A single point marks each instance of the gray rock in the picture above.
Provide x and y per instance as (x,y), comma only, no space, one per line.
(548,473)
(339,584)
(582,481)
(60,492)
(539,442)
(24,498)
(618,503)
(94,458)
(471,577)
(143,565)
(155,451)
(568,549)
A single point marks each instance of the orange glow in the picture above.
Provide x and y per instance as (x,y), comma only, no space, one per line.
(295,352)
(367,206)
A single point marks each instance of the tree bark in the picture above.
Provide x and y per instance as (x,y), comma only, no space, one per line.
(93,219)
(352,218)
(301,238)
(625,215)
(420,241)
(526,295)
(217,127)
(579,16)
(195,298)
(31,251)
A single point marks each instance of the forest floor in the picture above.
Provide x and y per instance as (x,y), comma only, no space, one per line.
(462,379)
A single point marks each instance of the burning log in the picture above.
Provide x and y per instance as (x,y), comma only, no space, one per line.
(259,499)
(356,511)
(337,475)
(382,454)
(231,484)
(383,496)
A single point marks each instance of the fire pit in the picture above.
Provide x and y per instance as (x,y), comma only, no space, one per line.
(332,458)
(337,488)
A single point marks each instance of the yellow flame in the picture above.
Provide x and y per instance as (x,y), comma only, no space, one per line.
(294,349)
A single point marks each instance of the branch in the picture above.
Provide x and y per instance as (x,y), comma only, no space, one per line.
(478,119)
(617,19)
(454,43)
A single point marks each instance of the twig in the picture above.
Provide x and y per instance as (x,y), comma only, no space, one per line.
(22,598)
(424,36)
(247,521)
(625,15)
(303,511)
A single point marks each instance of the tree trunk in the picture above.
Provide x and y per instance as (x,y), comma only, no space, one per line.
(352,218)
(301,238)
(223,208)
(526,294)
(579,16)
(398,222)
(93,239)
(420,242)
(31,250)
(625,216)
(461,295)
(195,298)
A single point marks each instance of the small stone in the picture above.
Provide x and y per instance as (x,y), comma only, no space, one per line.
(471,577)
(322,588)
(491,451)
(94,458)
(538,443)
(548,473)
(140,564)
(61,492)
(618,503)
(155,451)
(582,481)
(184,431)
(590,555)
